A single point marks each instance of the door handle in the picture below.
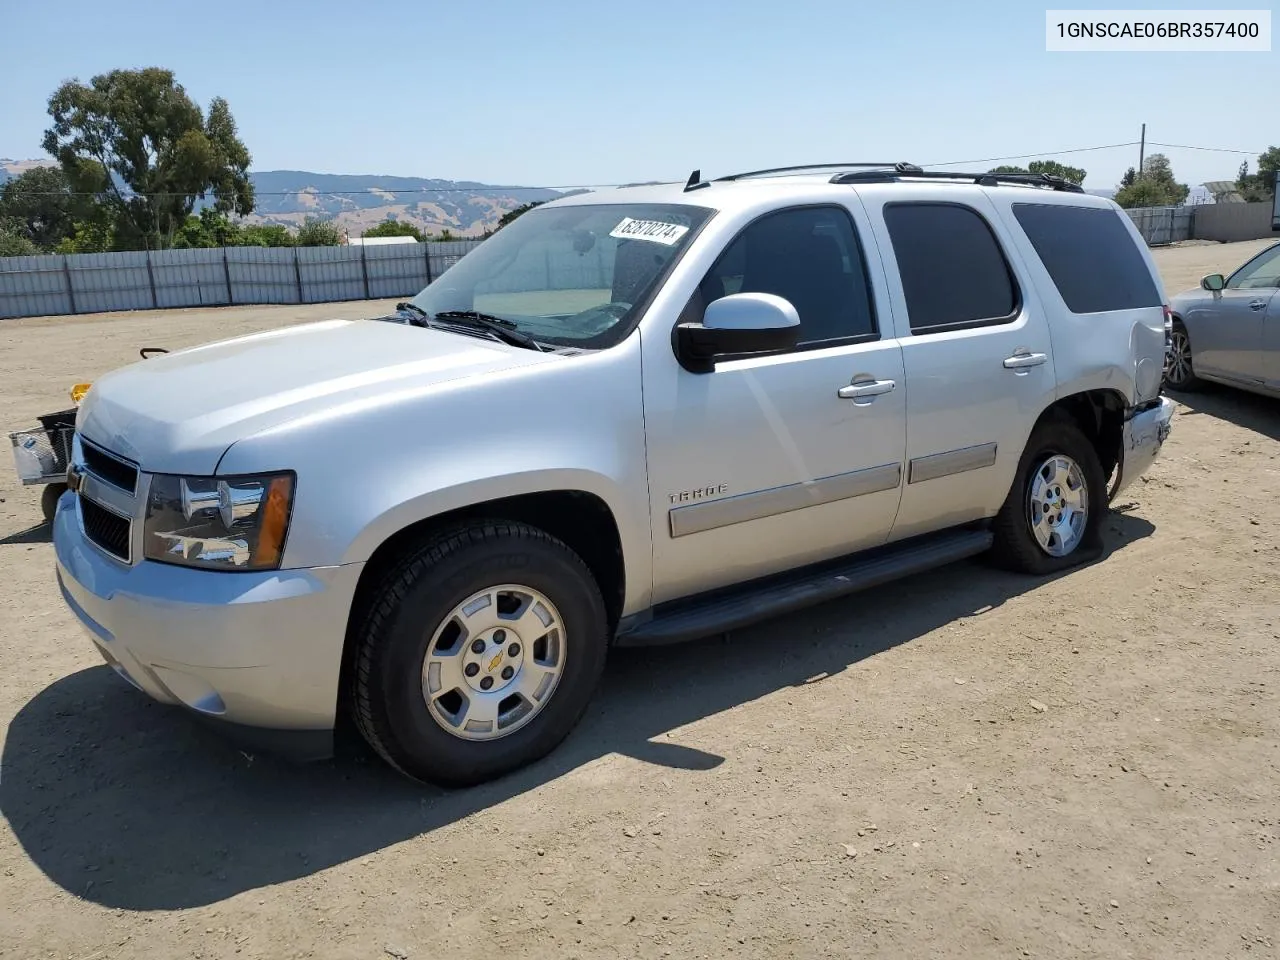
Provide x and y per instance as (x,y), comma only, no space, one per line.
(1257,304)
(865,388)
(1021,360)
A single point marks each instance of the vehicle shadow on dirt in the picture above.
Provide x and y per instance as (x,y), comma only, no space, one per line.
(1248,410)
(42,533)
(134,805)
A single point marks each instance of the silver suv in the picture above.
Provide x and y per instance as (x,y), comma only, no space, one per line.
(630,417)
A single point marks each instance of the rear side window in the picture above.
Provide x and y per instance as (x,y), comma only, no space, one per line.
(1090,255)
(954,273)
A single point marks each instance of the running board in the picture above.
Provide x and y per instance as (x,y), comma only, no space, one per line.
(758,600)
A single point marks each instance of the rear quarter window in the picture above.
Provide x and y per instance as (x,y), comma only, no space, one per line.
(1090,256)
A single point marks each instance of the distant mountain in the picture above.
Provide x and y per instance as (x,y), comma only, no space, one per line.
(358,202)
(13,168)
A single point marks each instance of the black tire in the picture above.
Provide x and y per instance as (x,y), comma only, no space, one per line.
(416,596)
(1016,547)
(1176,376)
(49,500)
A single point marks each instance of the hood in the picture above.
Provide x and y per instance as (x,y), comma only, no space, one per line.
(179,412)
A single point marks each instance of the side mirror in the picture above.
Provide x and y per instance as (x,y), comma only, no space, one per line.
(758,323)
(1213,282)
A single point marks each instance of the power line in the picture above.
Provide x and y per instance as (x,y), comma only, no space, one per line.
(1183,146)
(1046,153)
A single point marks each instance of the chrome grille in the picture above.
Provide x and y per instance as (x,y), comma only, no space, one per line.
(105,529)
(108,467)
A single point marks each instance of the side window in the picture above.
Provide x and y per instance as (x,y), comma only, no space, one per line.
(1090,255)
(1262,271)
(953,272)
(811,257)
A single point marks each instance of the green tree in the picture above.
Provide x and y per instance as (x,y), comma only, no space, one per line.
(395,228)
(1055,169)
(1051,167)
(1130,177)
(511,215)
(208,229)
(135,138)
(1155,187)
(445,236)
(1260,186)
(267,235)
(316,232)
(13,240)
(41,203)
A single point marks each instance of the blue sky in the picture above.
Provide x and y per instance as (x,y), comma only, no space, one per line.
(567,92)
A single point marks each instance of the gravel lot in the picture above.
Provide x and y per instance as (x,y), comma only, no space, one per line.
(965,764)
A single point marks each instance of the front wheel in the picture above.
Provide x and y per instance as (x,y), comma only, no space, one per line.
(1052,518)
(478,653)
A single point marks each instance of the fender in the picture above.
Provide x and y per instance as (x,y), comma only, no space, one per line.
(368,470)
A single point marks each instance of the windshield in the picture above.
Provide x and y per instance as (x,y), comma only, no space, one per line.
(568,276)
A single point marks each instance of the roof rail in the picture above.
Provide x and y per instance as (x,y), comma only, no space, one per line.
(982,179)
(808,166)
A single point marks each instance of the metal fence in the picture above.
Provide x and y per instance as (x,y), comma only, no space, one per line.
(1234,221)
(100,282)
(1161,225)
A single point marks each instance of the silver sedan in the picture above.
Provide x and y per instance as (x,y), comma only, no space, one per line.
(1228,331)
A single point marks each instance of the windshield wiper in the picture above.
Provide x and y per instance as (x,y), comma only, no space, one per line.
(503,329)
(413,308)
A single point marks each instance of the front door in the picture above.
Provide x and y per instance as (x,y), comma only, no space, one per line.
(762,465)
(1230,337)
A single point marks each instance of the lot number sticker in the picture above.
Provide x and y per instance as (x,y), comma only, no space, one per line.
(654,230)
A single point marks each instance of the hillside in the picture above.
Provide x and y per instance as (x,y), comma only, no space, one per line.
(357,202)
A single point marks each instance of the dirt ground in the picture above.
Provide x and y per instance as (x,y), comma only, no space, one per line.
(964,764)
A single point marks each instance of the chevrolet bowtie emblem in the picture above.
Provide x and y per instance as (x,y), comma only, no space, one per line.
(497,659)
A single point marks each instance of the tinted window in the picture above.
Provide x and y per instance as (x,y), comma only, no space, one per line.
(953,271)
(809,256)
(1090,255)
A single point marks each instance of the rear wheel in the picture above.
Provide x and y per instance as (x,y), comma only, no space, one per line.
(1179,371)
(1052,518)
(479,653)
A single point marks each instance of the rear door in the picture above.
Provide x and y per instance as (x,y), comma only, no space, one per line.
(975,345)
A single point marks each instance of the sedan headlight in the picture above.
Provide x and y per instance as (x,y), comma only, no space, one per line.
(218,523)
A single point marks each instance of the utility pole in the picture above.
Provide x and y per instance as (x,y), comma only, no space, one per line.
(1142,149)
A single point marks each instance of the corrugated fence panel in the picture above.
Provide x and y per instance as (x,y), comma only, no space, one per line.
(1161,225)
(110,281)
(445,255)
(397,269)
(263,275)
(38,286)
(330,273)
(33,287)
(190,278)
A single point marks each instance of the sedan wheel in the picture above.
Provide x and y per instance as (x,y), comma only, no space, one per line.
(1179,371)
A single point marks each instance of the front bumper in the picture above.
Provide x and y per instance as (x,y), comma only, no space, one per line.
(260,652)
(1144,434)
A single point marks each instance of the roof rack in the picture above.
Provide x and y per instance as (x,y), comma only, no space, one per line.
(982,179)
(806,166)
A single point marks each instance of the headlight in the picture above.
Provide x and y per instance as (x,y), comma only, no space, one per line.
(219,523)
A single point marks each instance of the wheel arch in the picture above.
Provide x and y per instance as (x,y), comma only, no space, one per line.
(581,519)
(1099,414)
